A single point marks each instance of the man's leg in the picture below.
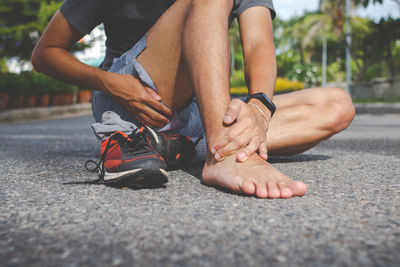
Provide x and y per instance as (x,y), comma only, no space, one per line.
(303,119)
(307,117)
(163,60)
(206,49)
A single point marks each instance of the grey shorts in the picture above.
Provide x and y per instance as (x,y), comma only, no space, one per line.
(187,122)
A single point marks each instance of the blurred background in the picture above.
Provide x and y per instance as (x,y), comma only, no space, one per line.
(352,44)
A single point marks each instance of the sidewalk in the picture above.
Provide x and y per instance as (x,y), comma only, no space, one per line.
(76,110)
(27,114)
(377,108)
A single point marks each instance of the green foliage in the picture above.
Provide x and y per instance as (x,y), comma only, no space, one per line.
(3,65)
(375,43)
(286,62)
(237,79)
(236,46)
(335,72)
(13,84)
(365,3)
(28,83)
(21,24)
(375,46)
(46,12)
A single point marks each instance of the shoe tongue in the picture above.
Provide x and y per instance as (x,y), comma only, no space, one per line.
(154,137)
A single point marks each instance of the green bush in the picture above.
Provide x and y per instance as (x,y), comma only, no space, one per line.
(33,83)
(13,84)
(237,79)
(41,84)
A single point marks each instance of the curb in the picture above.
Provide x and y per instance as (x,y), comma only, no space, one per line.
(26,114)
(377,108)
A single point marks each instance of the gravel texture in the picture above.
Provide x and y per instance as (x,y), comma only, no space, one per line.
(349,217)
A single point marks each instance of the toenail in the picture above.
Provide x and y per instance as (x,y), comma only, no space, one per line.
(213,150)
(217,156)
(242,155)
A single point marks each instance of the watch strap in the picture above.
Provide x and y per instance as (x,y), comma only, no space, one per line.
(263,99)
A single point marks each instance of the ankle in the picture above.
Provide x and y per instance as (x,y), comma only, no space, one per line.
(213,137)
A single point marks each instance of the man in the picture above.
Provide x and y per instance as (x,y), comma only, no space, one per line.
(184,51)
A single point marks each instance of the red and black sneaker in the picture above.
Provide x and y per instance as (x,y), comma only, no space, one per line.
(142,158)
(130,161)
(177,150)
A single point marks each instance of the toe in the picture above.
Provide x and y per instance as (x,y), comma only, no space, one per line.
(273,191)
(286,192)
(262,191)
(298,188)
(248,188)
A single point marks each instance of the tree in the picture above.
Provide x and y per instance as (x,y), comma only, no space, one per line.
(375,44)
(21,24)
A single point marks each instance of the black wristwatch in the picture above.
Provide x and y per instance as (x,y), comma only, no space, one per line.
(264,99)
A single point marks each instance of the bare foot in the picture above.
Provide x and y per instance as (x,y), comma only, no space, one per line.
(252,177)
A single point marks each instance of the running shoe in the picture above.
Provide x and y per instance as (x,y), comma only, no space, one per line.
(130,161)
(142,158)
(177,150)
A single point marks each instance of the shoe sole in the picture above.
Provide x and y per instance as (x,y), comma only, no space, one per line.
(138,178)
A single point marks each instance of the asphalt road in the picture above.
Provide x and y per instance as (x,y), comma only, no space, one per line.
(350,216)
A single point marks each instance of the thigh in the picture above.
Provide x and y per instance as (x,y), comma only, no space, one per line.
(162,58)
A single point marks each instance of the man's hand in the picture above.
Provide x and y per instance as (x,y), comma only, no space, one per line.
(247,133)
(142,102)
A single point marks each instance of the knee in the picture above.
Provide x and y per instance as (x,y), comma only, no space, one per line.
(221,7)
(339,109)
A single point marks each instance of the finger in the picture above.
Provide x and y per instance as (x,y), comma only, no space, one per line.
(153,94)
(262,151)
(246,152)
(239,142)
(232,111)
(233,133)
(154,115)
(145,120)
(160,107)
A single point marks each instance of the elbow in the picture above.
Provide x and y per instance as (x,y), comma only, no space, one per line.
(36,60)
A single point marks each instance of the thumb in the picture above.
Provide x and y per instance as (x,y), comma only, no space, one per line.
(262,151)
(232,111)
(153,94)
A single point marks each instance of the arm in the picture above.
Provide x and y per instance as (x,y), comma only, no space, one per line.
(51,56)
(248,126)
(259,52)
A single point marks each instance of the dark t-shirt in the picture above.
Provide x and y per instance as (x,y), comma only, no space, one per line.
(126,21)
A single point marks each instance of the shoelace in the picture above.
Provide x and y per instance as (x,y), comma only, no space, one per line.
(135,143)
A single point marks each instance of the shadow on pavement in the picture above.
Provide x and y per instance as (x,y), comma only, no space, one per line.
(297,158)
(196,170)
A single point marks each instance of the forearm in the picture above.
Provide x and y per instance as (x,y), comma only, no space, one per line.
(260,73)
(260,69)
(60,64)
